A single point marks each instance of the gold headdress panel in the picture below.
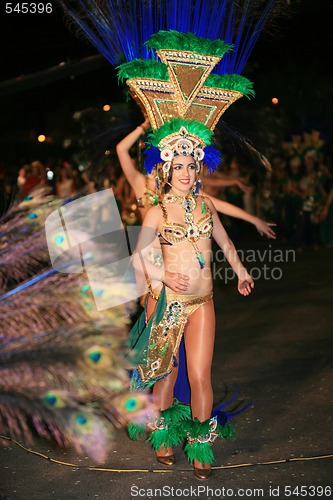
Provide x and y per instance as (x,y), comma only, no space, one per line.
(181,97)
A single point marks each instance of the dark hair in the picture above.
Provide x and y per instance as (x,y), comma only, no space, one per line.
(167,186)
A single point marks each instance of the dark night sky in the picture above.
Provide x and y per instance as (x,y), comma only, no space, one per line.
(291,65)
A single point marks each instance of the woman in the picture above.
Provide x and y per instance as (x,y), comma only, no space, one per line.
(146,192)
(184,222)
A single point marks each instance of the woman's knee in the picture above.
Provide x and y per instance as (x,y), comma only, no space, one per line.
(200,380)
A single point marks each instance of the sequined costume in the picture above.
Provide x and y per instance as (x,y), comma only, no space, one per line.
(156,345)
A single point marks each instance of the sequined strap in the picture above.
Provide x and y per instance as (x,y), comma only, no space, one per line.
(164,211)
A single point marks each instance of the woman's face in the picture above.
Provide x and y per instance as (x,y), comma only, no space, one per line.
(183,173)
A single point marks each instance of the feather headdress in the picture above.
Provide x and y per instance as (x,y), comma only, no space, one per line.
(183,60)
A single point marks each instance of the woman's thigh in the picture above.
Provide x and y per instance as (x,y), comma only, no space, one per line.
(199,339)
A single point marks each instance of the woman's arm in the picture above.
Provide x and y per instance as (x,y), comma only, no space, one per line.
(245,282)
(228,209)
(135,178)
(228,182)
(140,258)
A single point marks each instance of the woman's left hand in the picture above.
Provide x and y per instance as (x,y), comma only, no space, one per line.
(245,286)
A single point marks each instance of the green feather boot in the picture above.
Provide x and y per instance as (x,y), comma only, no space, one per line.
(164,431)
(200,437)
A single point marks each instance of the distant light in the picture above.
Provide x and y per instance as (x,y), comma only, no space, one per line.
(275,100)
(107,152)
(49,175)
(106,107)
(62,63)
(41,138)
(81,168)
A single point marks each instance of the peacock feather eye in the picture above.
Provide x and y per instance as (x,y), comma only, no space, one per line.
(95,356)
(81,419)
(53,400)
(99,357)
(131,404)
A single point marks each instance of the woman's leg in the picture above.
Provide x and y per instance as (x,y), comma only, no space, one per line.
(163,389)
(199,339)
(199,344)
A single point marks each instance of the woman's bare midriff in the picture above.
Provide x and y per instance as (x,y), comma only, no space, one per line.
(181,258)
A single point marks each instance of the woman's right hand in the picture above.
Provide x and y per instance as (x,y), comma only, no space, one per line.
(176,281)
(244,187)
(145,125)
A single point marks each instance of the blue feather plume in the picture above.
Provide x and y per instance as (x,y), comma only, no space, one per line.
(152,158)
(119,29)
(225,416)
(212,158)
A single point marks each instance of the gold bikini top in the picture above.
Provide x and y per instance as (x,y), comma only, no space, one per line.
(174,232)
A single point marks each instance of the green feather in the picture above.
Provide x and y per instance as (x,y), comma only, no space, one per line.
(164,437)
(188,42)
(143,68)
(135,431)
(172,126)
(176,413)
(231,82)
(202,452)
(226,431)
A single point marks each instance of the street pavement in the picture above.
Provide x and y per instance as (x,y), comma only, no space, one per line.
(276,346)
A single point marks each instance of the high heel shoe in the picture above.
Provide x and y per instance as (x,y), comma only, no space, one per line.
(202,474)
(166,459)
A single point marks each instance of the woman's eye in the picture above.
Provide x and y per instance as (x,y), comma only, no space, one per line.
(192,167)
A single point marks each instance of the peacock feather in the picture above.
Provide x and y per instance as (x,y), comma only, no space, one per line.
(63,372)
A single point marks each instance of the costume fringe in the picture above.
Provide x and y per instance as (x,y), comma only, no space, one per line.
(143,68)
(202,452)
(235,82)
(175,40)
(226,431)
(176,413)
(173,126)
(164,437)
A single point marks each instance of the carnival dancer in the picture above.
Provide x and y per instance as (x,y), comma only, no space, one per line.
(185,223)
(183,103)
